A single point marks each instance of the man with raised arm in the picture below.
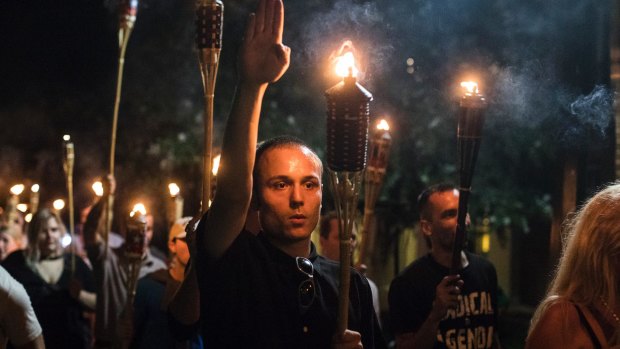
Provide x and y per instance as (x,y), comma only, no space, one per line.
(270,290)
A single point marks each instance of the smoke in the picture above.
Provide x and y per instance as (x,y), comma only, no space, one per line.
(592,112)
(328,27)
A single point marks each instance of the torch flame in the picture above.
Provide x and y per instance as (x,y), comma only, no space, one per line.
(58,204)
(345,65)
(470,86)
(17,189)
(383,125)
(98,188)
(34,188)
(216,164)
(28,217)
(139,207)
(22,208)
(66,138)
(174,189)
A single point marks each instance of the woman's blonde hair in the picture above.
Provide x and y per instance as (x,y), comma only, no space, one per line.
(35,226)
(589,269)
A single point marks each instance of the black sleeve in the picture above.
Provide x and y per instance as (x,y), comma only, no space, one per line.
(407,307)
(372,336)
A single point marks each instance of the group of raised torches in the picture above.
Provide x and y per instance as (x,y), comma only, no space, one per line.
(356,161)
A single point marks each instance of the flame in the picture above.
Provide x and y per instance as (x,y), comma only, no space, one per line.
(383,125)
(58,204)
(22,208)
(17,189)
(345,65)
(66,138)
(470,86)
(34,188)
(98,188)
(344,60)
(174,189)
(28,217)
(216,164)
(140,208)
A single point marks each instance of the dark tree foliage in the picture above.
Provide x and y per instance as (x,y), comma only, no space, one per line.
(539,63)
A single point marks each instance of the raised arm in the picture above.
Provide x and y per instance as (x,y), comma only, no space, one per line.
(263,59)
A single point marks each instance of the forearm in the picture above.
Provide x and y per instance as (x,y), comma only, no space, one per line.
(88,299)
(234,188)
(425,337)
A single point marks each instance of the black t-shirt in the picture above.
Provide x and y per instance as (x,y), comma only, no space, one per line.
(249,299)
(474,322)
(59,314)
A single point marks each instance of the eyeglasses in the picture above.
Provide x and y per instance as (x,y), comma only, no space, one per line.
(306,291)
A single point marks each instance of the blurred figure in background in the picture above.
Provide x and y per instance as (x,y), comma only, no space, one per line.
(18,323)
(59,294)
(154,293)
(330,248)
(111,271)
(582,306)
(11,240)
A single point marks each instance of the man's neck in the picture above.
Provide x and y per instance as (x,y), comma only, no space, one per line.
(444,258)
(299,248)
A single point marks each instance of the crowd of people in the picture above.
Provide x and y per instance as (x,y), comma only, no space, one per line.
(247,275)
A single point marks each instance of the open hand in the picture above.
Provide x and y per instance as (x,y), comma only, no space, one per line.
(263,58)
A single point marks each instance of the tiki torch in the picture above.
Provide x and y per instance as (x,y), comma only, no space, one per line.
(378,155)
(134,248)
(34,198)
(128,10)
(209,23)
(67,164)
(13,202)
(469,135)
(348,109)
(175,204)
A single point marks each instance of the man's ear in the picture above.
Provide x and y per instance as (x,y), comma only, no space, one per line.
(425,227)
(172,247)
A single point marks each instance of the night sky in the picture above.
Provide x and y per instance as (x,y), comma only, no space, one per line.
(534,59)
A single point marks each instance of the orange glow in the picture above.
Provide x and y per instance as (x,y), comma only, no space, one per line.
(383,125)
(174,189)
(140,208)
(17,189)
(98,188)
(344,60)
(470,86)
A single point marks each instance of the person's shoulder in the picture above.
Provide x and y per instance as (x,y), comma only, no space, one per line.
(415,268)
(14,261)
(479,261)
(559,325)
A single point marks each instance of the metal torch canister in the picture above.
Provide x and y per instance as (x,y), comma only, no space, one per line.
(348,114)
(135,240)
(208,39)
(469,135)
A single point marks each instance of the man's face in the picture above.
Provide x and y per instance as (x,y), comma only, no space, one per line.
(330,246)
(441,223)
(178,246)
(289,193)
(149,229)
(49,239)
(7,245)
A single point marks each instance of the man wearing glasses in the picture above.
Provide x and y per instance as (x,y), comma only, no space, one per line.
(271,290)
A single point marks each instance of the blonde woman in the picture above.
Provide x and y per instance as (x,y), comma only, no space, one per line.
(582,306)
(58,294)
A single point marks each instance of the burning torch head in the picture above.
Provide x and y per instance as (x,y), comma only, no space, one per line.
(127,11)
(469,131)
(348,116)
(135,240)
(69,154)
(209,22)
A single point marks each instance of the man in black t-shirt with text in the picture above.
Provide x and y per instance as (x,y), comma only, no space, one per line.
(430,308)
